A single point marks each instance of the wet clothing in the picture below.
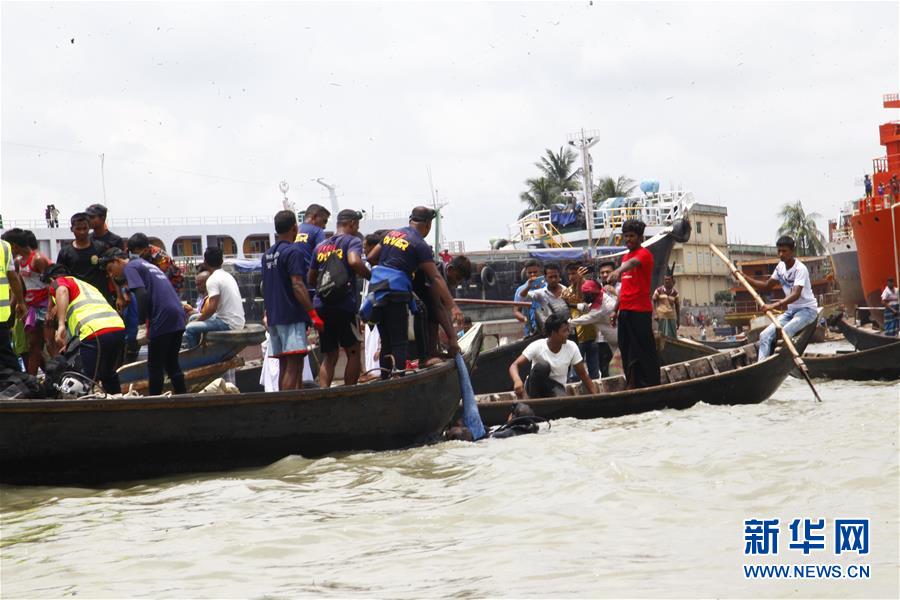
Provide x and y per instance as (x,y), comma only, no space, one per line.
(638,348)
(517,426)
(308,237)
(279,263)
(342,245)
(164,308)
(635,292)
(84,264)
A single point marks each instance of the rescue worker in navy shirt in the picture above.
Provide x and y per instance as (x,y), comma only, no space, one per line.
(397,257)
(310,234)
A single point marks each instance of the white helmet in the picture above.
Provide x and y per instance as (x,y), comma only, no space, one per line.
(74,386)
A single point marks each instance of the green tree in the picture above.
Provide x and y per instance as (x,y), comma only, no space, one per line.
(557,168)
(801,226)
(608,187)
(541,195)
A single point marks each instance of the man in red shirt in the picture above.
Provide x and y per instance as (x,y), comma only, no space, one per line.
(639,359)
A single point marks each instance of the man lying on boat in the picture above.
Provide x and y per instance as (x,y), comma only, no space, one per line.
(550,358)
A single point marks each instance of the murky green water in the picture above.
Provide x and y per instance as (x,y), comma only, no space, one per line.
(649,505)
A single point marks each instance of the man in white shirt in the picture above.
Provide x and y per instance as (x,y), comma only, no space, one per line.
(550,360)
(223,309)
(802,308)
(542,295)
(889,300)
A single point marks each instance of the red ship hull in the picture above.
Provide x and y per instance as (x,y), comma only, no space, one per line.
(877,235)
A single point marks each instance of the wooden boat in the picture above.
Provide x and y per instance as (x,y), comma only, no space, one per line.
(491,373)
(721,344)
(677,350)
(861,338)
(881,362)
(217,353)
(731,377)
(94,440)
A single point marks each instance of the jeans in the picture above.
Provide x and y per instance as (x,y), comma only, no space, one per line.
(195,329)
(590,352)
(792,321)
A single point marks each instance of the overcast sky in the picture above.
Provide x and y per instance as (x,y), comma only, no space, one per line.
(202,108)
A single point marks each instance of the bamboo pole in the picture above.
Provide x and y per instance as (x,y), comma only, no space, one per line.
(788,342)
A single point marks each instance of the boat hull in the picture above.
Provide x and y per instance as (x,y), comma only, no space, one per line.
(862,339)
(672,350)
(877,235)
(881,362)
(846,272)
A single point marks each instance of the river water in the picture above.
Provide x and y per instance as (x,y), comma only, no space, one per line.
(646,505)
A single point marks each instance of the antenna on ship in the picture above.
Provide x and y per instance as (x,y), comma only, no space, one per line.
(331,195)
(584,140)
(437,206)
(287,203)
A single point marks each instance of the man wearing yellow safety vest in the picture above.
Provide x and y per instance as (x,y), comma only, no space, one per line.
(84,313)
(10,290)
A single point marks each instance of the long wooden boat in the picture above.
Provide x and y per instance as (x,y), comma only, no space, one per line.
(491,373)
(677,350)
(721,344)
(881,362)
(861,338)
(731,377)
(94,440)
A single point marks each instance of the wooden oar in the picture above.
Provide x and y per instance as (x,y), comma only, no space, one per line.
(788,342)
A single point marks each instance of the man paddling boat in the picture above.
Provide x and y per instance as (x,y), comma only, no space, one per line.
(799,300)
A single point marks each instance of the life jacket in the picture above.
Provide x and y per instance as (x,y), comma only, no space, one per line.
(387,285)
(5,252)
(90,312)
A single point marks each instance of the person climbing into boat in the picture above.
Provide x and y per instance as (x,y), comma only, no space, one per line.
(635,325)
(533,280)
(550,358)
(310,234)
(84,313)
(397,257)
(598,307)
(666,302)
(458,270)
(340,258)
(223,309)
(585,331)
(157,302)
(82,256)
(889,300)
(32,264)
(799,301)
(11,293)
(289,309)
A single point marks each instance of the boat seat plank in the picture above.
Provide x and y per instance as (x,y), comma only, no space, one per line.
(722,362)
(699,368)
(677,372)
(615,383)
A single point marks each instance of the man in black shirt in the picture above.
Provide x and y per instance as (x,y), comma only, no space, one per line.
(101,233)
(82,257)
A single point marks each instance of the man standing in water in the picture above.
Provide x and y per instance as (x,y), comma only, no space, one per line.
(636,344)
(802,308)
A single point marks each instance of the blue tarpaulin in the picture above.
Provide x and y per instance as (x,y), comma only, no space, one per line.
(244,265)
(563,219)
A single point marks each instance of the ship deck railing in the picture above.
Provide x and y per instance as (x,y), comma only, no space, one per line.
(657,210)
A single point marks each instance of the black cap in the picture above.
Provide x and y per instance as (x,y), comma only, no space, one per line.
(348,215)
(422,214)
(55,270)
(96,210)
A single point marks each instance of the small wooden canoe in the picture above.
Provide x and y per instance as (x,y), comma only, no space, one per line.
(491,373)
(731,377)
(677,350)
(861,338)
(881,362)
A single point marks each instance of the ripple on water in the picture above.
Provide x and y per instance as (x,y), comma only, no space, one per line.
(644,505)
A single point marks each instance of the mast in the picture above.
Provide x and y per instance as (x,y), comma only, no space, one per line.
(331,195)
(584,141)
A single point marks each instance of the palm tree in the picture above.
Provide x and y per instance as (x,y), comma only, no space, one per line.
(557,168)
(541,195)
(608,187)
(802,227)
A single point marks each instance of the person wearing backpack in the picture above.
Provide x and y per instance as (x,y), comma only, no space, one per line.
(333,269)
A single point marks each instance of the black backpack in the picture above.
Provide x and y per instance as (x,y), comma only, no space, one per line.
(333,284)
